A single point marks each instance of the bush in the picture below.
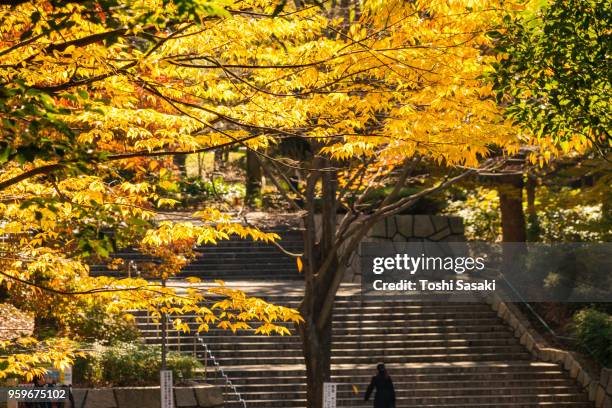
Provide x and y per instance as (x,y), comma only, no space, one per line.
(94,322)
(128,364)
(183,366)
(593,330)
(194,190)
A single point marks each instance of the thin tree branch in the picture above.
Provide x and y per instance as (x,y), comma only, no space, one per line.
(278,185)
(56,166)
(84,292)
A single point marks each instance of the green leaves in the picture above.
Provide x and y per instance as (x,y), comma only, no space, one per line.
(593,329)
(5,151)
(556,75)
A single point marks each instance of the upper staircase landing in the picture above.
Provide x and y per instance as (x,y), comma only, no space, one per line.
(233,259)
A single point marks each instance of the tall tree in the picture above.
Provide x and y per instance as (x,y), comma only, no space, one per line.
(554,73)
(414,96)
(253,178)
(97,97)
(553,78)
(86,148)
(510,190)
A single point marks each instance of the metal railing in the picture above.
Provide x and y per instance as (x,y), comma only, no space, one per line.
(229,386)
(208,354)
(544,323)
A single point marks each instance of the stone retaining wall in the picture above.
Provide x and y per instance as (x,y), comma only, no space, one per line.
(598,385)
(408,228)
(196,396)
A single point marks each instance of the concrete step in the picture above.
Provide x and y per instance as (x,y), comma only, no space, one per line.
(346,383)
(534,402)
(227,339)
(475,356)
(380,352)
(416,322)
(493,393)
(392,308)
(371,325)
(506,368)
(341,315)
(363,377)
(228,264)
(363,344)
(153,331)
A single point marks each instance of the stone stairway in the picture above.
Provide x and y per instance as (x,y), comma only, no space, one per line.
(438,354)
(233,259)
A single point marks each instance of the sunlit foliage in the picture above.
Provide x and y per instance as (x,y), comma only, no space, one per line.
(96,96)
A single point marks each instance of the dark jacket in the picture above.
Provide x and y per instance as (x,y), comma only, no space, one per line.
(385,393)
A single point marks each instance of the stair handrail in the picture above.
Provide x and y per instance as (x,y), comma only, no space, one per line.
(542,321)
(208,354)
(219,369)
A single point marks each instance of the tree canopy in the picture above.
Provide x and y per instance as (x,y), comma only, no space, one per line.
(554,70)
(97,96)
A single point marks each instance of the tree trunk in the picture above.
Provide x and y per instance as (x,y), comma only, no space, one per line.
(514,230)
(606,216)
(326,254)
(253,178)
(321,267)
(530,189)
(510,192)
(533,230)
(200,165)
(180,161)
(316,345)
(221,158)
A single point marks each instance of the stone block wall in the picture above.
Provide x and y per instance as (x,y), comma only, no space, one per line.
(409,228)
(598,385)
(196,396)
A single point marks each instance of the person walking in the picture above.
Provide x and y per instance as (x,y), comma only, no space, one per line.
(385,393)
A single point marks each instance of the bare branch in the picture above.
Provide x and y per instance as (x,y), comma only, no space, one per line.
(278,185)
(146,288)
(47,169)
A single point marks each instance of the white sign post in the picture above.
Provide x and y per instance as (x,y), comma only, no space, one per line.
(167,397)
(12,403)
(66,376)
(330,390)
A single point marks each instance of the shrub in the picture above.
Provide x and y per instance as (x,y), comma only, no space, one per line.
(94,322)
(194,190)
(127,364)
(130,364)
(183,366)
(593,330)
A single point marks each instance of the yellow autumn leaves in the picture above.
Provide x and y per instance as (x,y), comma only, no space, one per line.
(387,80)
